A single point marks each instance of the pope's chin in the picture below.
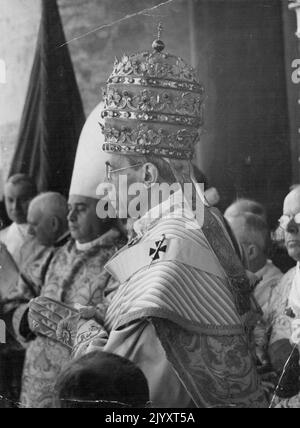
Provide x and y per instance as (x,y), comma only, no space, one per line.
(293,248)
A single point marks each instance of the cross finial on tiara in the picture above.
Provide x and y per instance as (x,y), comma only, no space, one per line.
(159,30)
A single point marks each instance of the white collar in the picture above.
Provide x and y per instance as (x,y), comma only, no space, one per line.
(105,239)
(24,226)
(297,274)
(21,229)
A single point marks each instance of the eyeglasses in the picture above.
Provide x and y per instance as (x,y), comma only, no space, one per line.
(285,221)
(110,171)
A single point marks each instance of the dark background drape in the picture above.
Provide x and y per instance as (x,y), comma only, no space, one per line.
(240,52)
(53,115)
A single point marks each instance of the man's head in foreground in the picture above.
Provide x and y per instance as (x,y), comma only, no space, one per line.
(104,380)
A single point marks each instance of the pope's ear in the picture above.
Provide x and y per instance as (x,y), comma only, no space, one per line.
(55,223)
(252,252)
(150,174)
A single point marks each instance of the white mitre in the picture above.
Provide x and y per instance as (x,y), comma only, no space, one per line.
(89,167)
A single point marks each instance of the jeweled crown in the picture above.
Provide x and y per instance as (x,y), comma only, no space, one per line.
(153,106)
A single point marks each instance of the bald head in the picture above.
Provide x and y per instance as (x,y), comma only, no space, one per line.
(250,228)
(47,217)
(50,203)
(253,234)
(243,206)
(292,202)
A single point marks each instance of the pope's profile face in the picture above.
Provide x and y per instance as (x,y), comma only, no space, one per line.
(84,224)
(292,231)
(17,200)
(121,174)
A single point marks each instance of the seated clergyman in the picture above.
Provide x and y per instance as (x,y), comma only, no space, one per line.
(284,311)
(253,234)
(47,219)
(48,227)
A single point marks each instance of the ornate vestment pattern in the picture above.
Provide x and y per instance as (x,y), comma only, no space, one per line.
(73,277)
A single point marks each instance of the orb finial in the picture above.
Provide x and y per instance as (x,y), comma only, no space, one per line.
(158,45)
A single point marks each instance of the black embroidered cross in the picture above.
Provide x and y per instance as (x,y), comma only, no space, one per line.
(155,253)
(290,313)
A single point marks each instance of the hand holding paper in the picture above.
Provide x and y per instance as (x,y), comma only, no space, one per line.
(46,317)
(60,322)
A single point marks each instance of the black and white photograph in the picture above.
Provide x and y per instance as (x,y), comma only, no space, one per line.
(149,207)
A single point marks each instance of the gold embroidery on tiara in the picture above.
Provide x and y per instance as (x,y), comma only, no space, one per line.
(153,105)
(146,136)
(176,154)
(180,103)
(147,65)
(153,117)
(144,140)
(157,83)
